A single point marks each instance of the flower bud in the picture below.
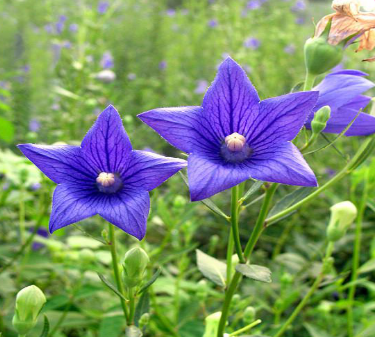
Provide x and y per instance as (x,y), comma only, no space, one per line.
(212,324)
(179,201)
(134,264)
(320,55)
(249,315)
(342,216)
(321,117)
(29,303)
(143,321)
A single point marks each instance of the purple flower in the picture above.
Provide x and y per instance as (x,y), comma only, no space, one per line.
(300,20)
(49,28)
(60,24)
(234,136)
(34,125)
(201,88)
(342,91)
(213,23)
(163,65)
(107,60)
(102,176)
(290,49)
(253,4)
(102,7)
(43,233)
(299,6)
(252,43)
(35,186)
(171,12)
(73,27)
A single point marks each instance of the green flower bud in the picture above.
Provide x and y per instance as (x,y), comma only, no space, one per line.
(286,279)
(212,324)
(29,303)
(249,315)
(179,201)
(342,216)
(321,117)
(143,321)
(134,265)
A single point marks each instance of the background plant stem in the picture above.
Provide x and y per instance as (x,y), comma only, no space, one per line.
(116,271)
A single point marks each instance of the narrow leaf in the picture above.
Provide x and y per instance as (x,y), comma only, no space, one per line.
(143,306)
(255,187)
(211,268)
(111,287)
(290,199)
(207,202)
(257,273)
(45,327)
(151,281)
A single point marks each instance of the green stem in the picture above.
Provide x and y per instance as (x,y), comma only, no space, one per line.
(309,81)
(229,255)
(356,258)
(234,223)
(22,215)
(363,152)
(248,250)
(312,290)
(132,306)
(116,271)
(246,328)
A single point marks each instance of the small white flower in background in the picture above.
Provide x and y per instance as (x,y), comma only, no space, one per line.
(106,76)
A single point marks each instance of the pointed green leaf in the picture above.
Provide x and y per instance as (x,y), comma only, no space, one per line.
(151,281)
(212,268)
(207,202)
(111,287)
(45,327)
(257,273)
(255,187)
(143,306)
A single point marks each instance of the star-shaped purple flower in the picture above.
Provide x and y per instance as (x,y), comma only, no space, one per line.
(102,176)
(342,91)
(234,136)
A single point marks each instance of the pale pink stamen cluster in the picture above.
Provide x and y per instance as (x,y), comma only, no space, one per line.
(235,142)
(105,179)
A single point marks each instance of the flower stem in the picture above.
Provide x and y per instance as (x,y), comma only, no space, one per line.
(246,328)
(356,255)
(229,255)
(248,250)
(132,306)
(234,223)
(301,305)
(116,271)
(363,152)
(309,81)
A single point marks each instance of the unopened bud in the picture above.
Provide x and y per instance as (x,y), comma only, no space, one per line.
(321,117)
(320,55)
(29,303)
(342,216)
(179,201)
(249,315)
(134,265)
(143,321)
(212,325)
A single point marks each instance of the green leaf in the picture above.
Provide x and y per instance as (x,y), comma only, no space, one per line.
(298,87)
(207,202)
(66,93)
(367,267)
(257,273)
(151,281)
(111,325)
(45,327)
(211,268)
(6,130)
(290,199)
(111,287)
(254,187)
(315,332)
(143,306)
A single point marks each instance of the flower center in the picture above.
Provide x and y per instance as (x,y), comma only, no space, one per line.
(235,149)
(108,182)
